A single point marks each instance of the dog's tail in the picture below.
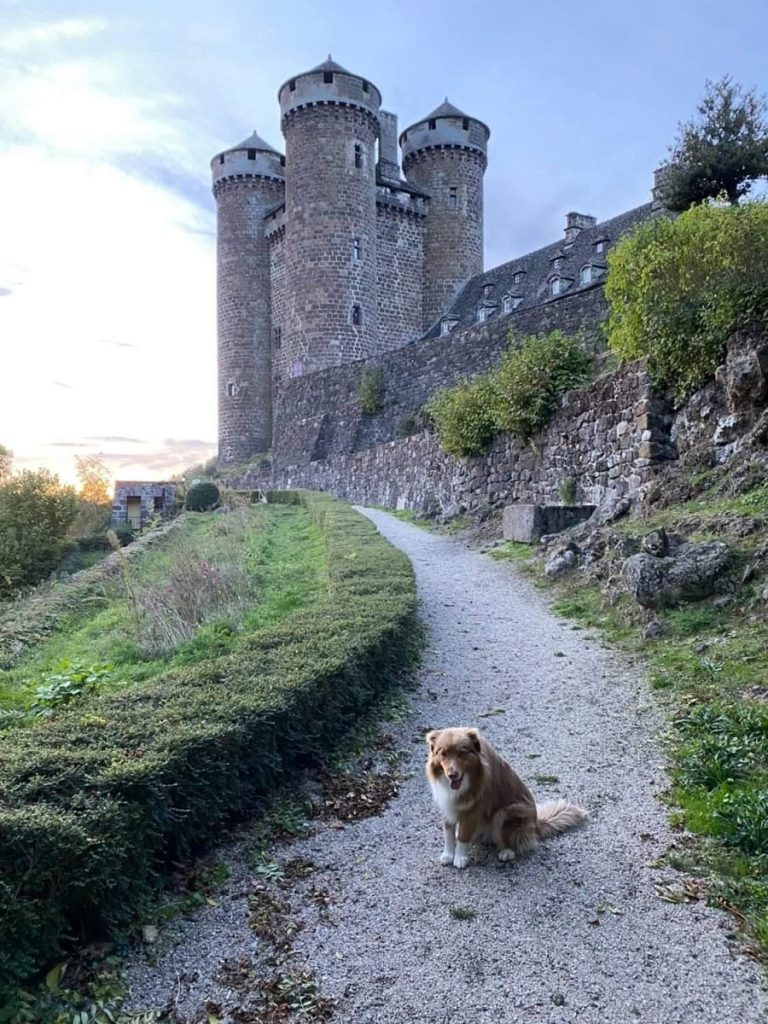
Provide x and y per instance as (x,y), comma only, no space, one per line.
(557,816)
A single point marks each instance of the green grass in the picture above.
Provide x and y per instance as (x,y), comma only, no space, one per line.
(282,552)
(710,663)
(514,551)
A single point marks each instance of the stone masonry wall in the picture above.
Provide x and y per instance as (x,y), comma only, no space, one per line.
(399,269)
(319,416)
(454,251)
(609,437)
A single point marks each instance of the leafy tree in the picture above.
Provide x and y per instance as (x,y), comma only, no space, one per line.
(721,152)
(677,289)
(6,460)
(94,479)
(36,511)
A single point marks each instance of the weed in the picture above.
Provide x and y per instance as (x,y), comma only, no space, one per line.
(463,913)
(545,780)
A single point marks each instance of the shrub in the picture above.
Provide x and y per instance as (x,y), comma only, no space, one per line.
(370,390)
(415,422)
(568,491)
(677,289)
(96,803)
(202,497)
(124,533)
(519,396)
(531,378)
(465,416)
(36,512)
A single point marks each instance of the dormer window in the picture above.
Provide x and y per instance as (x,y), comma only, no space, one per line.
(510,303)
(483,312)
(586,274)
(558,285)
(445,327)
(432,124)
(601,245)
(328,77)
(557,262)
(488,290)
(453,198)
(518,276)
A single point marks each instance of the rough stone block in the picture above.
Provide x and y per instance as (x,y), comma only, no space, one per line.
(529,523)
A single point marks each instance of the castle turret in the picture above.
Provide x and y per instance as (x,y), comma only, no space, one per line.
(446,155)
(330,123)
(247,182)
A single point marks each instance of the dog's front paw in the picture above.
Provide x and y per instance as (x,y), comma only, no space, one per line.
(460,860)
(506,854)
(446,858)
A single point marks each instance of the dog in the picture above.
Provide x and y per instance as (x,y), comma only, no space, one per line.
(479,793)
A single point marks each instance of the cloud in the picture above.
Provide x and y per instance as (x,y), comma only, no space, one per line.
(114,439)
(19,40)
(118,344)
(68,444)
(193,188)
(61,384)
(5,291)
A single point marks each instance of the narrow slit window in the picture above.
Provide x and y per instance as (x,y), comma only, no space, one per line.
(277,335)
(357,316)
(465,124)
(365,86)
(432,125)
(357,249)
(358,155)
(453,198)
(251,154)
(292,85)
(231,389)
(328,77)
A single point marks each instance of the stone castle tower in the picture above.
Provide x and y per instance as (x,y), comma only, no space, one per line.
(328,255)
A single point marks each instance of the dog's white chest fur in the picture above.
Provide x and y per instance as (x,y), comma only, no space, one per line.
(446,798)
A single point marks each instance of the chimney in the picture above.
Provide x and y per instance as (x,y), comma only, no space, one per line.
(389,164)
(576,222)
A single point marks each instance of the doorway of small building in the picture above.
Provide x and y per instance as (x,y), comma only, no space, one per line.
(133,511)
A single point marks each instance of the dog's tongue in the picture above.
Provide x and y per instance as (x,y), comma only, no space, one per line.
(455,783)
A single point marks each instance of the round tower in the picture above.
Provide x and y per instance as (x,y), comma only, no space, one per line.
(446,154)
(248,181)
(330,123)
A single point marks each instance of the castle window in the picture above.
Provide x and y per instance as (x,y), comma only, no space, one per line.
(432,125)
(558,285)
(453,198)
(365,86)
(292,85)
(328,77)
(511,302)
(465,124)
(445,327)
(557,262)
(357,249)
(482,314)
(358,155)
(282,161)
(231,389)
(221,159)
(518,276)
(488,290)
(357,316)
(251,154)
(277,336)
(585,275)
(600,245)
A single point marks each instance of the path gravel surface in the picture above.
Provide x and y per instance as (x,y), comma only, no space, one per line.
(574,933)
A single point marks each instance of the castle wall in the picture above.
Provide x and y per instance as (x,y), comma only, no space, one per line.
(609,437)
(454,249)
(244,317)
(329,202)
(320,416)
(399,268)
(278,279)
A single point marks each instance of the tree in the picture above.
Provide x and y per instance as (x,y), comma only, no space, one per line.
(6,460)
(94,479)
(36,511)
(721,152)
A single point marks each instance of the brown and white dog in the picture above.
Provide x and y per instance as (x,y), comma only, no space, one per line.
(479,793)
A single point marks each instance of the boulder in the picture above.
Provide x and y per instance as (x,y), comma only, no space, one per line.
(656,543)
(529,523)
(746,369)
(561,563)
(692,573)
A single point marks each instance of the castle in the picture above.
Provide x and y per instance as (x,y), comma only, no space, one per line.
(330,255)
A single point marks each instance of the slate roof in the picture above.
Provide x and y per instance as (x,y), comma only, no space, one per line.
(328,65)
(538,269)
(254,141)
(445,109)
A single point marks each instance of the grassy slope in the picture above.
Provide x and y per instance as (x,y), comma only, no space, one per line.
(711,664)
(278,545)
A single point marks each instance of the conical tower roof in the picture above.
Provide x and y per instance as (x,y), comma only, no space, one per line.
(446,109)
(254,141)
(330,65)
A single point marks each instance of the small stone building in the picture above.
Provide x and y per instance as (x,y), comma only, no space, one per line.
(138,501)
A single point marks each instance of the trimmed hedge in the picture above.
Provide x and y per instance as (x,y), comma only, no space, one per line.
(96,802)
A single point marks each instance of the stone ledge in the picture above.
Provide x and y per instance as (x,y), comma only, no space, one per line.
(529,523)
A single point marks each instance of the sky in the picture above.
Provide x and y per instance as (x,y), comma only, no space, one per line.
(112,111)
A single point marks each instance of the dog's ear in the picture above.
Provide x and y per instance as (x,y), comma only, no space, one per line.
(474,736)
(431,737)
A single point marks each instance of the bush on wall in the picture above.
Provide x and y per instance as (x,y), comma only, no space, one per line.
(95,803)
(519,396)
(370,390)
(677,289)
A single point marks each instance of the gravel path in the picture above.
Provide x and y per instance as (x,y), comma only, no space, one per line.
(574,933)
